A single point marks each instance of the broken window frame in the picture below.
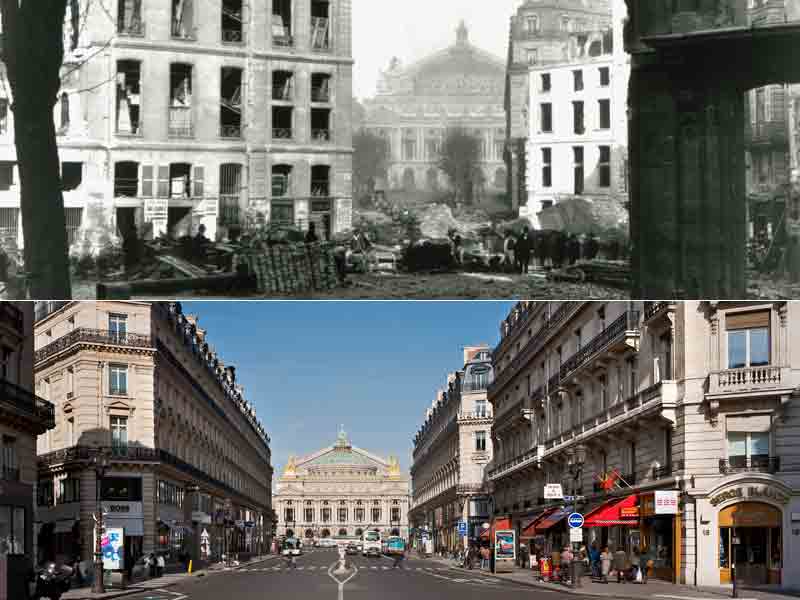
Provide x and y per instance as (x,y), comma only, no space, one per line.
(282,32)
(183,27)
(320,32)
(129,18)
(129,92)
(180,113)
(230,193)
(320,187)
(281,177)
(318,134)
(283,92)
(231,106)
(282,133)
(232,35)
(321,93)
(123,187)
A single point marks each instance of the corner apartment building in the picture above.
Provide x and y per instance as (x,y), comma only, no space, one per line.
(687,410)
(189,462)
(577,143)
(23,416)
(539,34)
(451,451)
(221,112)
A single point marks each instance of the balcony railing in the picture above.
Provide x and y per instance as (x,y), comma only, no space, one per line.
(85,453)
(471,416)
(133,29)
(188,34)
(754,464)
(473,385)
(233,36)
(528,456)
(628,321)
(92,336)
(321,135)
(180,122)
(748,379)
(282,133)
(20,400)
(232,132)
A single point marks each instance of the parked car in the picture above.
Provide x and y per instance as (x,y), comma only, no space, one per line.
(292,547)
(352,548)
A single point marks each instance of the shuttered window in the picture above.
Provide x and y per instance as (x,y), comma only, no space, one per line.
(198,182)
(163,181)
(748,320)
(147,181)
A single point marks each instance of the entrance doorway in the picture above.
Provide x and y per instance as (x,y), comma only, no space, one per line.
(321,217)
(750,538)
(126,221)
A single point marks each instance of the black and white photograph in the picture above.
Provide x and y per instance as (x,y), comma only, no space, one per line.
(344,149)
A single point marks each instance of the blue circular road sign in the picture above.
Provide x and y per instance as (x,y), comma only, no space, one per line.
(575,520)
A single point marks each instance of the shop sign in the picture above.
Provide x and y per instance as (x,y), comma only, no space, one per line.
(630,512)
(128,510)
(112,544)
(553,491)
(155,208)
(752,492)
(666,502)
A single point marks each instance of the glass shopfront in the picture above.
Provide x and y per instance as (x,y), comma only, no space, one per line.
(750,539)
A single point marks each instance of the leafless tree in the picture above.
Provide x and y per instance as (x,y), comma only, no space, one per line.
(33,53)
(459,159)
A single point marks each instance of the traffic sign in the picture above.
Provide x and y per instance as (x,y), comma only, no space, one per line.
(575,520)
(462,528)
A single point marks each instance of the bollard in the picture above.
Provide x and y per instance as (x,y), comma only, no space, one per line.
(190,567)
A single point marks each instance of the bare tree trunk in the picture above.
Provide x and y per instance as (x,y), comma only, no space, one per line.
(33,55)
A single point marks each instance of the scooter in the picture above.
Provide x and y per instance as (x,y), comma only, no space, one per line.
(52,581)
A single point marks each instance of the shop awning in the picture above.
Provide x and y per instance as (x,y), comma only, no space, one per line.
(614,512)
(553,518)
(529,530)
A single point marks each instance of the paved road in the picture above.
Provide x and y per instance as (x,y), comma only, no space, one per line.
(371,579)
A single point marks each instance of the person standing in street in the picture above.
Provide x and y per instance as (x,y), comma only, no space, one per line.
(522,252)
(311,234)
(594,560)
(509,249)
(161,564)
(620,558)
(605,564)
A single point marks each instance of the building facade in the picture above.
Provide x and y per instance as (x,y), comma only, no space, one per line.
(539,34)
(221,113)
(451,451)
(460,86)
(666,424)
(341,491)
(189,463)
(23,417)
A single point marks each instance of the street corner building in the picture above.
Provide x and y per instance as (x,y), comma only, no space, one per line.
(451,451)
(341,491)
(178,113)
(670,426)
(459,86)
(23,417)
(139,390)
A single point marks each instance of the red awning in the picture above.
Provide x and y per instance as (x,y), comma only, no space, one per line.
(552,519)
(612,513)
(530,528)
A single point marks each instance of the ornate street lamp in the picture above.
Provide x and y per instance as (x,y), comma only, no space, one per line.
(100,463)
(576,458)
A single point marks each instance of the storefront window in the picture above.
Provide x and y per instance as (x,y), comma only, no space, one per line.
(775,555)
(12,530)
(724,544)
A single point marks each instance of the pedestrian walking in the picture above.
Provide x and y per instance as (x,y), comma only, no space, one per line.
(567,556)
(605,564)
(594,560)
(161,563)
(636,560)
(522,252)
(509,244)
(620,560)
(311,234)
(398,560)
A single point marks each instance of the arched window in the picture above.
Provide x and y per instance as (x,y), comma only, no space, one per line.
(343,531)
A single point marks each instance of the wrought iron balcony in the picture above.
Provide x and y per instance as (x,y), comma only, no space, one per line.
(21,403)
(230,132)
(754,464)
(615,333)
(526,458)
(749,379)
(92,336)
(476,385)
(321,135)
(474,416)
(85,453)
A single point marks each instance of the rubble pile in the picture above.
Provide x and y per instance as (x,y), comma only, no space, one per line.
(607,272)
(437,220)
(291,268)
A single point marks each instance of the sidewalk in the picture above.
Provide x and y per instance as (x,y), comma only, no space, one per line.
(654,589)
(157,583)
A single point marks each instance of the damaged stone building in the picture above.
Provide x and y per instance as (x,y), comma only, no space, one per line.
(539,35)
(181,112)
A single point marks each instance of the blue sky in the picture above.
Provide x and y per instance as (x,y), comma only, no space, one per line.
(371,366)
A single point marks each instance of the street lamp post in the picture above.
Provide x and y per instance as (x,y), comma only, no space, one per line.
(576,458)
(100,463)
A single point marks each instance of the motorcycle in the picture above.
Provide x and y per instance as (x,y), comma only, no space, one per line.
(51,581)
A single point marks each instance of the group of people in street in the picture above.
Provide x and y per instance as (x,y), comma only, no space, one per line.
(548,249)
(601,562)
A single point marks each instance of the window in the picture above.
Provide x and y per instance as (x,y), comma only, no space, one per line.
(64,110)
(480,408)
(288,515)
(183,19)
(578,340)
(119,432)
(326,515)
(129,17)
(69,490)
(577,155)
(546,84)
(480,441)
(604,107)
(320,25)
(231,25)
(748,339)
(44,492)
(532,24)
(12,530)
(7,178)
(282,23)
(395,514)
(605,77)
(10,464)
(180,105)
(376,515)
(129,91)
(342,514)
(547,167)
(118,380)
(577,80)
(3,116)
(577,117)
(547,117)
(70,432)
(533,56)
(309,515)
(6,363)
(603,392)
(71,175)
(118,326)
(604,166)
(123,489)
(748,449)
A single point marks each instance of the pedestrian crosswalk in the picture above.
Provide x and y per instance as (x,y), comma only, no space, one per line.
(324,569)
